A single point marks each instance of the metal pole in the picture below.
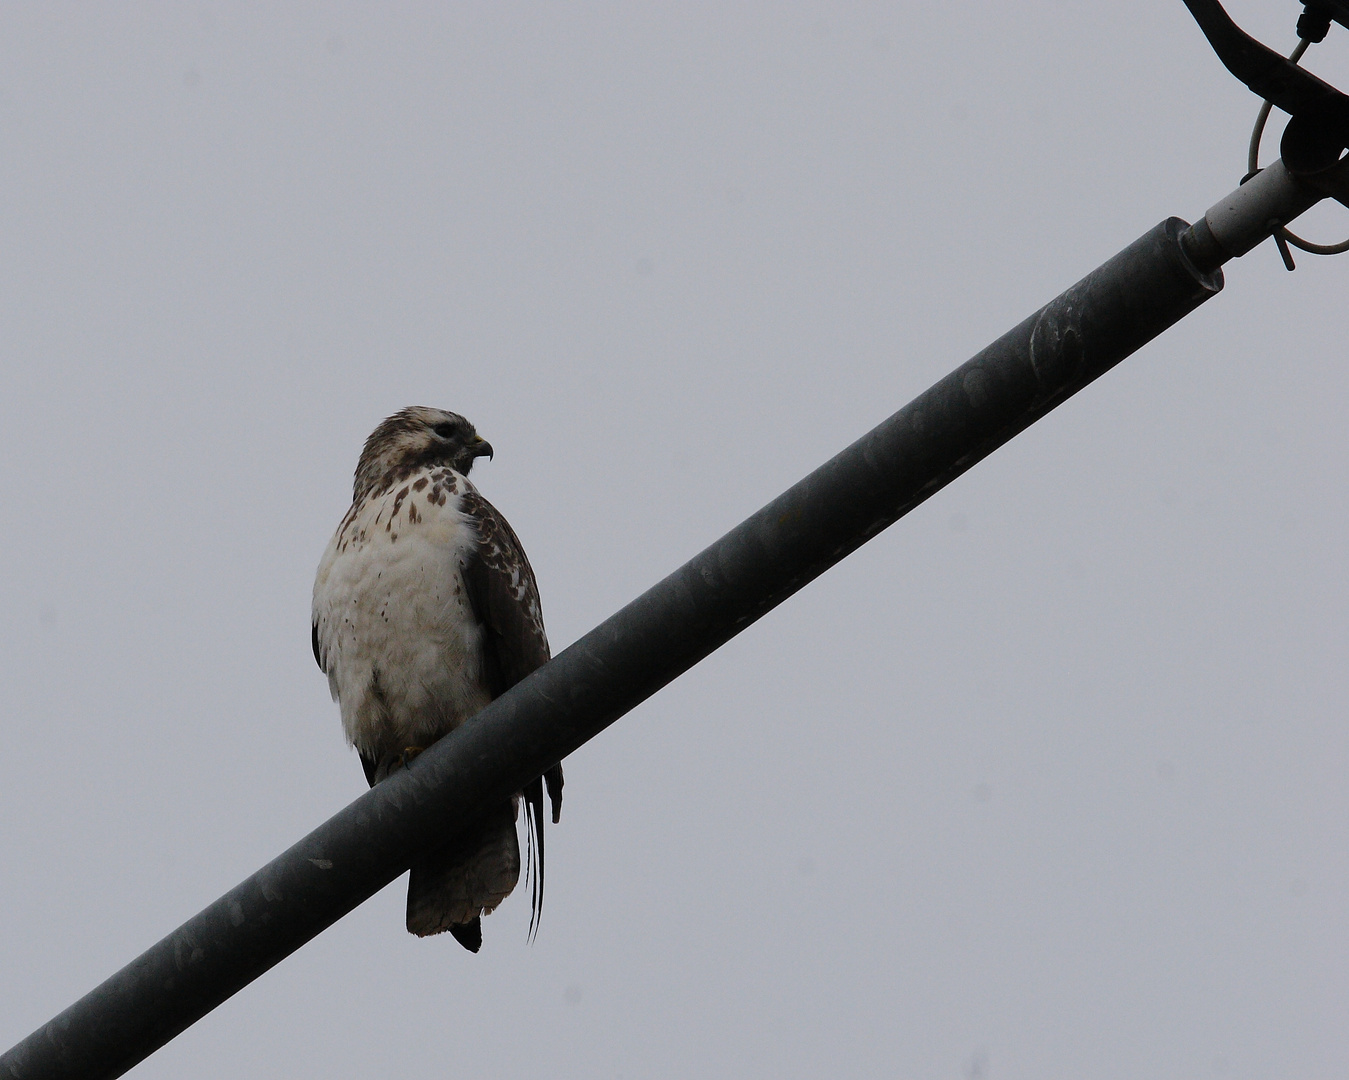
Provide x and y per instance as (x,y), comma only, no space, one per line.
(1079,336)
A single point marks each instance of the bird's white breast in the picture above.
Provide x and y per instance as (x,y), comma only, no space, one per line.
(395,629)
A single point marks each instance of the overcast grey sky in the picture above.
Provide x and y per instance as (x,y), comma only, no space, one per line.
(1046,781)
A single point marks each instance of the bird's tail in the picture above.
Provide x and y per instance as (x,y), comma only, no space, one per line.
(453,886)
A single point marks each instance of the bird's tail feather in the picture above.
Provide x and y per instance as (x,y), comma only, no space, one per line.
(553,778)
(534,835)
(453,886)
(534,847)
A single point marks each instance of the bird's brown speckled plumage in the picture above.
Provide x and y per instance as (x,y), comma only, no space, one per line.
(426,608)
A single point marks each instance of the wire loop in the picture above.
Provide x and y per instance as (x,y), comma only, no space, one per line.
(1282,236)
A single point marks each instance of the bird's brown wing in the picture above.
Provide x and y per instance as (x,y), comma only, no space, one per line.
(505,598)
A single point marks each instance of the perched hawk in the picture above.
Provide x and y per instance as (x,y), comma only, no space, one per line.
(425,609)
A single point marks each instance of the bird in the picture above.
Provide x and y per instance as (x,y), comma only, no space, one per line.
(425,609)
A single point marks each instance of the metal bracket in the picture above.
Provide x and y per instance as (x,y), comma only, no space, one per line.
(1273,77)
(1312,166)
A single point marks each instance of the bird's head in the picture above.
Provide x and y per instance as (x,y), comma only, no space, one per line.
(413,438)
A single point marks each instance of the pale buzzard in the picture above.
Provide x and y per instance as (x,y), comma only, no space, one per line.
(425,609)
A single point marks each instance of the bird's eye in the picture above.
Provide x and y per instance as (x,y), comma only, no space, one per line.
(445,431)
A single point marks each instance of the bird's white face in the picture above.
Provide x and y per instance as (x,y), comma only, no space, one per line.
(415,437)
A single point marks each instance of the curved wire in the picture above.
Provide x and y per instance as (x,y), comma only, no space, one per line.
(1253,167)
(1315,249)
(1253,153)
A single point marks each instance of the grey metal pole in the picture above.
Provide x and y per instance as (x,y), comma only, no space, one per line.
(970,413)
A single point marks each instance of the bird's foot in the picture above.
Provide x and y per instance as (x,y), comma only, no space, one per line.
(406,757)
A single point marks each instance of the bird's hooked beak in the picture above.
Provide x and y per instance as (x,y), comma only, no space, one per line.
(480,447)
